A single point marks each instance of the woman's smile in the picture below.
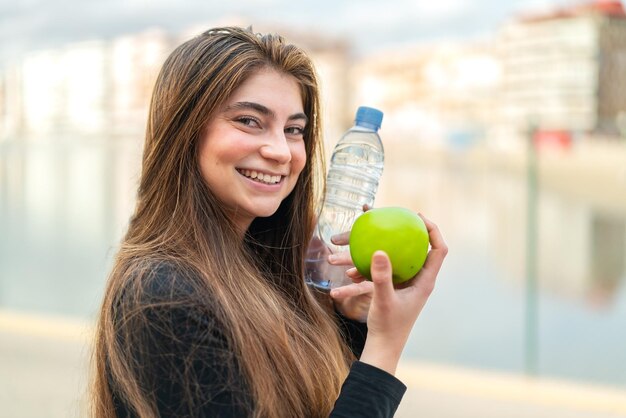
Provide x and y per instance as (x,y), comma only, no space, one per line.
(261,177)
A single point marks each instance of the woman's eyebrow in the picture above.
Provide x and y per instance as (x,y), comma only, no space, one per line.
(299,116)
(264,110)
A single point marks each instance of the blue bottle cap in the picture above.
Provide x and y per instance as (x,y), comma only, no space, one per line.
(368,117)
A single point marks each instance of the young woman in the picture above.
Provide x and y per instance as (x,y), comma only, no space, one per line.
(206,312)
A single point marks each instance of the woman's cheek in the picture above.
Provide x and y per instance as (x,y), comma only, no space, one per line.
(298,158)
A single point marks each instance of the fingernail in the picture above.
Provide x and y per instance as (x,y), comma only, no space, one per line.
(379,261)
(332,257)
(334,293)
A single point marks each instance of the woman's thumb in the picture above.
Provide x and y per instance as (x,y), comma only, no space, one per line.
(381,275)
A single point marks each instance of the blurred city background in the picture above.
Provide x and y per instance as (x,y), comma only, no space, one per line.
(505,122)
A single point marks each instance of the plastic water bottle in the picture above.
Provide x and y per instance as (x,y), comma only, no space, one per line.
(355,169)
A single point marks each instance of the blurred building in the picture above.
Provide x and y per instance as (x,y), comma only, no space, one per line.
(134,66)
(431,93)
(565,69)
(86,88)
(103,87)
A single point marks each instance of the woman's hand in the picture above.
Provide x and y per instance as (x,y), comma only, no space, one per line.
(352,300)
(393,311)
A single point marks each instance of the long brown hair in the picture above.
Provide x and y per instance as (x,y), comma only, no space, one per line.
(288,346)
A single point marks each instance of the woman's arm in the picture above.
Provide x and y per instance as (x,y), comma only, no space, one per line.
(394,311)
(368,392)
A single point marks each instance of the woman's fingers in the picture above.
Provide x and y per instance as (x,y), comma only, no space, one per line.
(341,239)
(428,274)
(352,290)
(439,249)
(354,275)
(340,259)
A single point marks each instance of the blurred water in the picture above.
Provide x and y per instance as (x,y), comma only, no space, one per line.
(477,314)
(64,204)
(64,207)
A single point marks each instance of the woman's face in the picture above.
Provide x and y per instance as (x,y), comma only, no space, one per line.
(252,151)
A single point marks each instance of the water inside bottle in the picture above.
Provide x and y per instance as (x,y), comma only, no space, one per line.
(355,168)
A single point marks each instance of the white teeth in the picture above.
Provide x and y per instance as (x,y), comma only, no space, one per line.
(265,178)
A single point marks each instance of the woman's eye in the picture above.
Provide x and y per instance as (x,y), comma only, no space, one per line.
(249,121)
(295,130)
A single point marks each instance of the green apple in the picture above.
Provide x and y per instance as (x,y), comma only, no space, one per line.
(398,232)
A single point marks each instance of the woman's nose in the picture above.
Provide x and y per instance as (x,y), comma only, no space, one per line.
(277,148)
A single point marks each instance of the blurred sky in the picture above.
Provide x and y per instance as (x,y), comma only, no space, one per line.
(367,24)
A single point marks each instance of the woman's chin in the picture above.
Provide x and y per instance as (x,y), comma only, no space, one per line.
(266,213)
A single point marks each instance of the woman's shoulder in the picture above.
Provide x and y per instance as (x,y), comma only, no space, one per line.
(169,294)
(166,278)
(153,281)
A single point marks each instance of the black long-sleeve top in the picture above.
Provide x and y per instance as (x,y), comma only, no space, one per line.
(185,340)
